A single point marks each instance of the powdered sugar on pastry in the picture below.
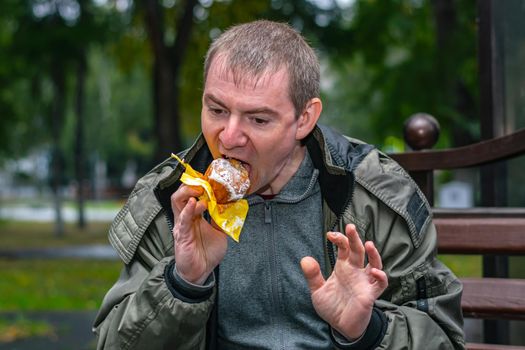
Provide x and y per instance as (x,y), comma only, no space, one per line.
(231,177)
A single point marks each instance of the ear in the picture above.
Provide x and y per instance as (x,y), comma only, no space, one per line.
(308,118)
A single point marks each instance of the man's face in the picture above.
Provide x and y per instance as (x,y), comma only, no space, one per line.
(252,121)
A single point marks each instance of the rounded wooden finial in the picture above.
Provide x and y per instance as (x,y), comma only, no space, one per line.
(421,131)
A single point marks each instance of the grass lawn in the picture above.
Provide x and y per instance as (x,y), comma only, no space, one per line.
(64,284)
(51,284)
(21,234)
(29,285)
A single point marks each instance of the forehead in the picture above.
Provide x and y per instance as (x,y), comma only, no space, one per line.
(246,78)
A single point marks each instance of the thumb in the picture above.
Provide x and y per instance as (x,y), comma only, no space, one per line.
(312,273)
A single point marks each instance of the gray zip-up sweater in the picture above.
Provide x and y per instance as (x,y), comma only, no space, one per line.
(264,301)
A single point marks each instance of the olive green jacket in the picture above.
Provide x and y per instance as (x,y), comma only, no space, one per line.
(359,185)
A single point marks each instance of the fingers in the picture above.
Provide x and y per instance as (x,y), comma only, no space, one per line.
(351,251)
(182,230)
(201,207)
(380,280)
(374,268)
(192,210)
(350,246)
(312,273)
(180,197)
(374,259)
(343,248)
(357,256)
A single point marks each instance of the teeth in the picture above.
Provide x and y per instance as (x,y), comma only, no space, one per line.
(226,157)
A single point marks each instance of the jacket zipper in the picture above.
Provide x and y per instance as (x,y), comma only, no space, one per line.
(273,264)
(273,256)
(329,245)
(171,225)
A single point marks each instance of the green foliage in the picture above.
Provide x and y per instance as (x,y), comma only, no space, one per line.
(381,62)
(463,265)
(118,113)
(386,60)
(9,83)
(471,265)
(40,42)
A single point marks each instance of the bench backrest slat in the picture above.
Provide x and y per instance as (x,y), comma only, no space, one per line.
(481,235)
(501,298)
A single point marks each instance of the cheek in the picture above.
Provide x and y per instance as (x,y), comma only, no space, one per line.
(210,132)
(206,127)
(273,154)
(279,147)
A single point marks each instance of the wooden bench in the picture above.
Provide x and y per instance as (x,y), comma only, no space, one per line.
(484,231)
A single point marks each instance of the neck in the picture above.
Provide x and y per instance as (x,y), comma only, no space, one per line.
(286,173)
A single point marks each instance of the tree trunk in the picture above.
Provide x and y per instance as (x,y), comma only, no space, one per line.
(166,71)
(79,140)
(446,19)
(167,126)
(57,119)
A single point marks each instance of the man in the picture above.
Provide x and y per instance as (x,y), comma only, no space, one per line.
(315,197)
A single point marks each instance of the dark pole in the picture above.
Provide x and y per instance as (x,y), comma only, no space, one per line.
(79,139)
(492,122)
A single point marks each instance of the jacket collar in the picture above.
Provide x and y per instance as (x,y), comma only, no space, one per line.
(336,157)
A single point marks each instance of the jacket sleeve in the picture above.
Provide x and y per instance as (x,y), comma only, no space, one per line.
(146,309)
(422,303)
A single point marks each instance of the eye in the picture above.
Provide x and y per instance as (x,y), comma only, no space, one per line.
(260,121)
(216,111)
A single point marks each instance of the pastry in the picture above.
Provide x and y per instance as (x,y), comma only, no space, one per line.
(229,180)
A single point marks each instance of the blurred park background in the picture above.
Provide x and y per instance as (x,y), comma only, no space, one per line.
(94,92)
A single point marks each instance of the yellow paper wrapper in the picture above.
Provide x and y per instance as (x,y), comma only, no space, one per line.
(229,217)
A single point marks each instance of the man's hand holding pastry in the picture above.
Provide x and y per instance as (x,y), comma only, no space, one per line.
(199,246)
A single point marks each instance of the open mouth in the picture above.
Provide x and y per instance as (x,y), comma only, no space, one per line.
(244,164)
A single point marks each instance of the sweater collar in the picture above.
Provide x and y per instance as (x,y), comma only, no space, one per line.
(302,184)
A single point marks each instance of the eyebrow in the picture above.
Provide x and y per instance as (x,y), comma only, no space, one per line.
(209,97)
(257,110)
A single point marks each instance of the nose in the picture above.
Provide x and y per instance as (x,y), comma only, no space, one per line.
(232,135)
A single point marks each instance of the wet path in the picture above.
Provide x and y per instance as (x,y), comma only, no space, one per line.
(47,214)
(97,252)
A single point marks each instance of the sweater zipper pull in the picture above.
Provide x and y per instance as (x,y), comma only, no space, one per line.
(267,213)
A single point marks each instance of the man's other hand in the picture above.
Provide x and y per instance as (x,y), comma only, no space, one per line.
(345,300)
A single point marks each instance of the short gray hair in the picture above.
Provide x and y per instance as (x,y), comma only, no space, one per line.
(261,46)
